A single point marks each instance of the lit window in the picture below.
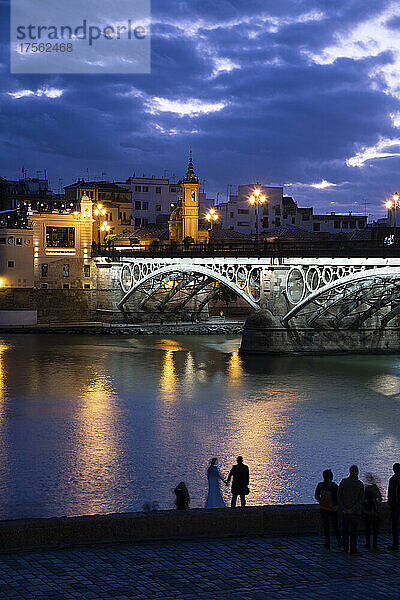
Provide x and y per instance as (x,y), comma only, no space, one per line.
(65,270)
(18,241)
(60,237)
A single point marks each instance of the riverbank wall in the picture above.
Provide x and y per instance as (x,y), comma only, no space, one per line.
(168,329)
(301,519)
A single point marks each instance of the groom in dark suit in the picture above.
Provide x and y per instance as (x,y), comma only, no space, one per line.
(240,481)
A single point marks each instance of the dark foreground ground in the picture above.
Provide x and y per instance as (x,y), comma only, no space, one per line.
(254,568)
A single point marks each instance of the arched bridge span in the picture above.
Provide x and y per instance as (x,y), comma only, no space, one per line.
(344,300)
(179,281)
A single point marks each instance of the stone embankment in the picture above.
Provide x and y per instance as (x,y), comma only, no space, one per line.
(301,519)
(89,328)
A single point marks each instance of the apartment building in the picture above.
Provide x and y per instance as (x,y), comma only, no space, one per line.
(282,211)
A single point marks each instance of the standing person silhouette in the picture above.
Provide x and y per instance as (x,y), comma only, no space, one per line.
(214,496)
(371,509)
(394,503)
(240,482)
(351,498)
(326,495)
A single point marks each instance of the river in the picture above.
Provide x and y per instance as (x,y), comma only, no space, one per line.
(97,424)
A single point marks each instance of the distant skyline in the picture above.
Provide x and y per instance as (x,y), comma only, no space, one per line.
(301,94)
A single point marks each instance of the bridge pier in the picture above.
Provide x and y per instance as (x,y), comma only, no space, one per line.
(319,306)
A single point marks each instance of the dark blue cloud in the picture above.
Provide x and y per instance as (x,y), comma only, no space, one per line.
(266,108)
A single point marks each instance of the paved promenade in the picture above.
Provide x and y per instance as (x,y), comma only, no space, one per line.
(254,568)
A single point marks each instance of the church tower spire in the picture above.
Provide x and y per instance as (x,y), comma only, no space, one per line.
(190,176)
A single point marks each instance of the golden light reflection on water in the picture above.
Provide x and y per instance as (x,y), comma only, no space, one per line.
(261,436)
(96,466)
(235,369)
(168,377)
(169,345)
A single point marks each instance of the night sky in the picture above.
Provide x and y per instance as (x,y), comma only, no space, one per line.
(301,93)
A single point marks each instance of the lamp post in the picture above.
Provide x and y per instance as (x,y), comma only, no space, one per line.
(394,203)
(211,217)
(99,212)
(256,199)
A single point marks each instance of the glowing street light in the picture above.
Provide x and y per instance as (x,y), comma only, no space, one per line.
(256,199)
(212,216)
(394,203)
(99,212)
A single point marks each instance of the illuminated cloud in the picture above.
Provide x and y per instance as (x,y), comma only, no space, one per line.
(191,107)
(385,148)
(222,65)
(369,39)
(322,185)
(174,131)
(47,92)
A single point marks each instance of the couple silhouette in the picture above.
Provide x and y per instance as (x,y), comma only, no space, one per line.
(240,484)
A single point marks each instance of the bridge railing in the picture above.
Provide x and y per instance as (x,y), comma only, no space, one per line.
(262,249)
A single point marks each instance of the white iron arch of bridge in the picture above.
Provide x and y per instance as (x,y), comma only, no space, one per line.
(249,277)
(337,286)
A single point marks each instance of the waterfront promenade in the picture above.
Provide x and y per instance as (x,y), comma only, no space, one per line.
(252,568)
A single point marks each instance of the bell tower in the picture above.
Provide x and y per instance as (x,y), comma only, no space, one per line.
(190,203)
(184,220)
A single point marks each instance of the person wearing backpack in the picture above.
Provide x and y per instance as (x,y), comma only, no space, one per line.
(370,510)
(326,495)
(394,503)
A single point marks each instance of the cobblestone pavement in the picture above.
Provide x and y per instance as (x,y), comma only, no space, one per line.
(254,568)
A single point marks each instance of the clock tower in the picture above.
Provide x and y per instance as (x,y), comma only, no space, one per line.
(190,203)
(184,221)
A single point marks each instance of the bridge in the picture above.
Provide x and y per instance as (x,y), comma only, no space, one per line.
(295,294)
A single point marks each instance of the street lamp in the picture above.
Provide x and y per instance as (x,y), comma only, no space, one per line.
(99,212)
(394,203)
(211,217)
(256,199)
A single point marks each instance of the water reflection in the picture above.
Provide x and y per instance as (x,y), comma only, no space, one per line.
(95,468)
(104,424)
(168,378)
(235,369)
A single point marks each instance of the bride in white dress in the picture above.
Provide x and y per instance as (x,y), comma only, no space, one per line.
(214,496)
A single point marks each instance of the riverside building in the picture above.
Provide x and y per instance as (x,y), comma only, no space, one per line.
(282,211)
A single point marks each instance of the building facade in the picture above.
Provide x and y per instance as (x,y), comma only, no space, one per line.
(16,258)
(282,211)
(114,199)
